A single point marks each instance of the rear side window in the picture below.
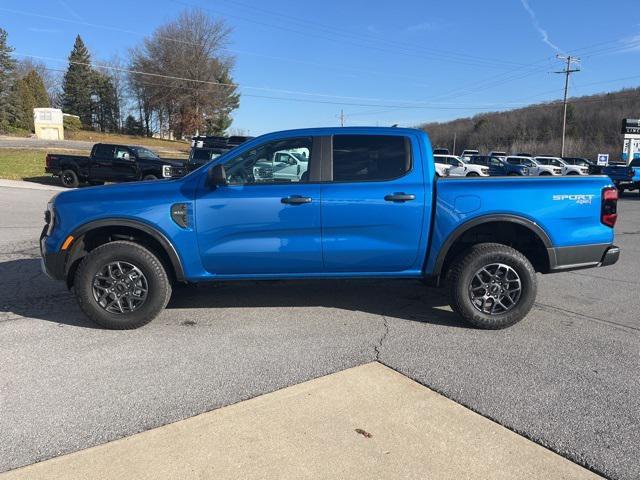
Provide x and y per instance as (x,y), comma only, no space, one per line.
(104,151)
(366,158)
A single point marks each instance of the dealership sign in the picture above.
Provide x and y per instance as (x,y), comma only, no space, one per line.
(631,125)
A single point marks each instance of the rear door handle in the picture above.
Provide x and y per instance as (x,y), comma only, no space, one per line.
(400,197)
(295,200)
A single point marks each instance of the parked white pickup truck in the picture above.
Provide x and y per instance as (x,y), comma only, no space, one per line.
(460,168)
(535,168)
(567,169)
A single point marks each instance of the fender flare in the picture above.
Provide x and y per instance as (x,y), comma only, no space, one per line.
(164,242)
(474,222)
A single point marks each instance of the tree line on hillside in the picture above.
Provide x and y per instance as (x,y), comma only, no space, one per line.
(593,127)
(175,83)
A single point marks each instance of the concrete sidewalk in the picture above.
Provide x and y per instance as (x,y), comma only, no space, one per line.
(365,422)
(29,185)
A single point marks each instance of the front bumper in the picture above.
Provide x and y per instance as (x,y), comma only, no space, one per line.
(53,264)
(563,259)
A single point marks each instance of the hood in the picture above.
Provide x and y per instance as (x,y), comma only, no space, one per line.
(174,162)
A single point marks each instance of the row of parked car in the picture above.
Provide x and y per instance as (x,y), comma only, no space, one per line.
(472,164)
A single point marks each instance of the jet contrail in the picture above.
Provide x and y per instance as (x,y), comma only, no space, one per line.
(534,20)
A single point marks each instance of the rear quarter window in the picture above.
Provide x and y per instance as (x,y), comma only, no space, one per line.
(366,158)
(103,151)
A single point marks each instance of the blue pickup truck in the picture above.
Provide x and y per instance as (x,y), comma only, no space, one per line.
(624,177)
(368,205)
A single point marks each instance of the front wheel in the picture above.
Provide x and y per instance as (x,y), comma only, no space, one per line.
(545,174)
(492,286)
(121,285)
(149,177)
(472,174)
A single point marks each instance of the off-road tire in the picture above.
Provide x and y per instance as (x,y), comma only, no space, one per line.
(461,273)
(159,287)
(69,179)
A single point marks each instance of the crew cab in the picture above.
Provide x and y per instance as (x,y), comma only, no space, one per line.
(625,177)
(567,169)
(460,168)
(369,205)
(498,166)
(111,163)
(534,167)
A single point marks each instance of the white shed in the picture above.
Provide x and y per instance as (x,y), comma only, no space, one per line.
(48,123)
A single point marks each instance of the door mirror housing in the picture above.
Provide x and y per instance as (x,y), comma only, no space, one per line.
(217,176)
(126,156)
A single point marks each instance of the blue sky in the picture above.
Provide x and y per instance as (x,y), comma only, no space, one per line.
(404,62)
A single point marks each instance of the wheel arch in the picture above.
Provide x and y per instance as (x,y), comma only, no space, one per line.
(499,228)
(98,232)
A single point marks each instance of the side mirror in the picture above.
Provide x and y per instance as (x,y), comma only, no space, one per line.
(217,176)
(126,156)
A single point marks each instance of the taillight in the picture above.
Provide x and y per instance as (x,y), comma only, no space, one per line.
(609,213)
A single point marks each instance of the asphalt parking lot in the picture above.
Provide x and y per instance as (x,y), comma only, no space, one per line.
(567,377)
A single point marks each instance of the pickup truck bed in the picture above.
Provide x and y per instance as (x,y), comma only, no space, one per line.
(625,177)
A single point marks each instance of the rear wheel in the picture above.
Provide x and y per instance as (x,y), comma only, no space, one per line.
(472,174)
(95,182)
(121,285)
(572,173)
(149,177)
(512,174)
(544,174)
(69,179)
(492,286)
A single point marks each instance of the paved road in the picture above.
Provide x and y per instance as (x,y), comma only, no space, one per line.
(567,377)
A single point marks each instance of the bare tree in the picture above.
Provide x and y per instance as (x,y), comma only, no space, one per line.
(184,76)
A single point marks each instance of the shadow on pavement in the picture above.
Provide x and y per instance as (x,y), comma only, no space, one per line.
(33,295)
(44,180)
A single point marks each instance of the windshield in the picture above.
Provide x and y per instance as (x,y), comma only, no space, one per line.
(635,162)
(144,153)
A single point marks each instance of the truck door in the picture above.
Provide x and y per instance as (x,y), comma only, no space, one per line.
(125,165)
(495,167)
(100,162)
(373,209)
(259,224)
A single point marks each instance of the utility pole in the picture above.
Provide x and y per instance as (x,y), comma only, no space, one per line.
(454,143)
(341,117)
(567,71)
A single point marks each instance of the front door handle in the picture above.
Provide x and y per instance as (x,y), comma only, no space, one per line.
(400,197)
(295,200)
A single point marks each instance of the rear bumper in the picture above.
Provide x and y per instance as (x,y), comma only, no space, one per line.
(584,256)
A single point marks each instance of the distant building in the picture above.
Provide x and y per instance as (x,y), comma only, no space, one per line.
(48,123)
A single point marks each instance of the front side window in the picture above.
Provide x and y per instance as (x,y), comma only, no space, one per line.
(495,162)
(121,153)
(366,158)
(281,161)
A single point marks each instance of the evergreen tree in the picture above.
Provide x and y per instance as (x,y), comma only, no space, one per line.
(105,103)
(133,126)
(78,84)
(7,67)
(29,93)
